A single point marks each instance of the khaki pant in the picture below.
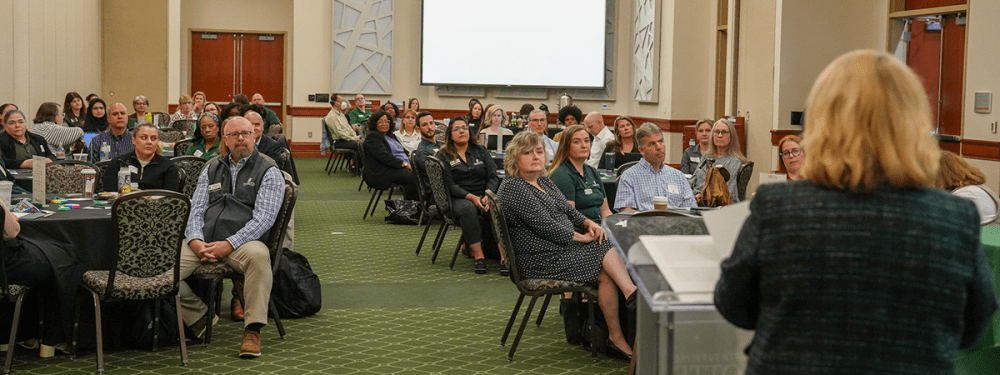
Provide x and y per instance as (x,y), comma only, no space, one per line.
(253,260)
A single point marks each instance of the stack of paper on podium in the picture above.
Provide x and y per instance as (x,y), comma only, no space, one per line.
(690,264)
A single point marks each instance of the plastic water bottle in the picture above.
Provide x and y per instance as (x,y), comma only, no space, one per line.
(105,151)
(691,142)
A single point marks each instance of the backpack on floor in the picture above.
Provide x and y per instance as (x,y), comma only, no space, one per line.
(296,290)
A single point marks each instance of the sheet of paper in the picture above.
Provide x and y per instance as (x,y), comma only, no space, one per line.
(724,226)
(688,263)
(771,178)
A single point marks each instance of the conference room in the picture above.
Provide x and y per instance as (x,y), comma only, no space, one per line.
(386,309)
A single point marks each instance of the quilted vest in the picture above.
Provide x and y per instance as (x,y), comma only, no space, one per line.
(231,207)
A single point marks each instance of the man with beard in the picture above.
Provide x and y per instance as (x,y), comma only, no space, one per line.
(650,177)
(236,202)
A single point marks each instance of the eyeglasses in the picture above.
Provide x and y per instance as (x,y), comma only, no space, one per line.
(793,153)
(460,128)
(720,132)
(240,135)
(382,121)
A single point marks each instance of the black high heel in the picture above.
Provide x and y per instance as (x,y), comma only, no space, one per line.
(630,301)
(617,351)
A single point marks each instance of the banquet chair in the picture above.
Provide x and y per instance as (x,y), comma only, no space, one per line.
(11,293)
(192,166)
(181,147)
(170,136)
(147,262)
(161,119)
(427,209)
(63,176)
(439,189)
(534,287)
(214,273)
(184,126)
(625,167)
(742,179)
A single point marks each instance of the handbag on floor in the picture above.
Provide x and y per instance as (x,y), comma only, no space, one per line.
(402,211)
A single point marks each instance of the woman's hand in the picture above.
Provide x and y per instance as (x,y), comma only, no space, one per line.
(478,201)
(583,237)
(595,231)
(407,166)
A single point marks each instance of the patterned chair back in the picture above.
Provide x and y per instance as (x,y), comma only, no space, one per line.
(181,147)
(66,176)
(171,136)
(161,119)
(149,230)
(503,236)
(184,126)
(626,166)
(192,166)
(435,175)
(276,238)
(742,179)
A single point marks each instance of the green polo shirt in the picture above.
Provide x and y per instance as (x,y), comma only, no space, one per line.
(357,116)
(586,191)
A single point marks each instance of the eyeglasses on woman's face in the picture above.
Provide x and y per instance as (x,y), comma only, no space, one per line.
(720,132)
(791,153)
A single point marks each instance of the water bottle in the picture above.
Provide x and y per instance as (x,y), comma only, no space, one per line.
(124,180)
(691,142)
(105,151)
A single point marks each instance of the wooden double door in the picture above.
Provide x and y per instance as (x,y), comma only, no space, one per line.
(225,64)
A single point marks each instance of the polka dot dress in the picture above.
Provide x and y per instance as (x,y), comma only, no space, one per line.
(541,226)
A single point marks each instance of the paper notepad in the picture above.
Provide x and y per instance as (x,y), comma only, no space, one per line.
(690,264)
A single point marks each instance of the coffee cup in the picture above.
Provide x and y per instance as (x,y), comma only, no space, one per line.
(660,203)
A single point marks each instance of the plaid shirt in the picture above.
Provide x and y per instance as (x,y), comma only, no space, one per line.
(265,208)
(120,145)
(639,184)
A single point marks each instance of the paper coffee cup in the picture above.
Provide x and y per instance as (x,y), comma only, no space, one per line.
(660,203)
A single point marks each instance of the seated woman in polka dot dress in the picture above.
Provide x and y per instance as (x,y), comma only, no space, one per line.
(552,240)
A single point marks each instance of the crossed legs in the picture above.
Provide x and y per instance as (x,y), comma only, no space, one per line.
(613,277)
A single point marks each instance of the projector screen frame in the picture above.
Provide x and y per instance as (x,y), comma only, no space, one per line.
(604,61)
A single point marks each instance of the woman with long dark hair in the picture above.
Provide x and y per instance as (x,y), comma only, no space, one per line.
(386,161)
(75,113)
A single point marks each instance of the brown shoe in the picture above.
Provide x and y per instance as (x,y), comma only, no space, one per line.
(237,310)
(251,345)
(198,328)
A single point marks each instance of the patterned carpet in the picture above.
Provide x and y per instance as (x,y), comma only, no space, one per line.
(385,310)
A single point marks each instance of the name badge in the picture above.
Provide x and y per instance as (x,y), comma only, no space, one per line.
(199,153)
(673,189)
(588,191)
(455,163)
(477,162)
(133,169)
(696,159)
(215,187)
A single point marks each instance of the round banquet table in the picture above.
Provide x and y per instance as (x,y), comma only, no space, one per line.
(87,231)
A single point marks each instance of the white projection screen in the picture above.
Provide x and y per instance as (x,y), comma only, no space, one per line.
(533,43)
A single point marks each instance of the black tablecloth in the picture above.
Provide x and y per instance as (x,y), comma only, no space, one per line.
(22,178)
(87,232)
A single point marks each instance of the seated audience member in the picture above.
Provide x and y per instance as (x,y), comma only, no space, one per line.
(52,270)
(6,107)
(360,113)
(270,118)
(724,151)
(624,142)
(211,108)
(497,121)
(537,123)
(141,115)
(267,145)
(428,146)
(965,180)
(570,115)
(97,116)
(75,113)
(48,124)
(18,146)
(231,225)
(200,101)
(90,98)
(386,162)
(342,132)
(207,137)
(232,109)
(117,138)
(526,109)
(392,110)
(692,155)
(184,109)
(650,177)
(408,134)
(602,136)
(149,169)
(553,240)
(469,171)
(865,267)
(241,99)
(413,104)
(790,157)
(475,116)
(579,182)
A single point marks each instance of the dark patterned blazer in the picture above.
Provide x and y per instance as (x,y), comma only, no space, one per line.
(889,282)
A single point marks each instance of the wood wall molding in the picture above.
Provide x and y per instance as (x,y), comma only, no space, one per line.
(778,134)
(307,111)
(983,150)
(306,150)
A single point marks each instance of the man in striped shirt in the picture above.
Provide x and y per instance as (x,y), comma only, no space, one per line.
(115,141)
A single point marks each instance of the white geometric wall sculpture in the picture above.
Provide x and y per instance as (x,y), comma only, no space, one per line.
(645,51)
(362,46)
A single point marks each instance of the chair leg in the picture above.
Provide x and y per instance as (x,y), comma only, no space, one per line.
(277,318)
(76,327)
(361,184)
(13,334)
(379,199)
(213,297)
(513,317)
(461,241)
(156,325)
(541,313)
(520,331)
(423,237)
(593,333)
(180,330)
(100,333)
(437,247)
(329,161)
(440,236)
(371,201)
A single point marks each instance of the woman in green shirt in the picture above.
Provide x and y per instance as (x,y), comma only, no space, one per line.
(206,137)
(580,183)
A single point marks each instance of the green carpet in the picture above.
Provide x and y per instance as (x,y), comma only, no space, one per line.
(385,310)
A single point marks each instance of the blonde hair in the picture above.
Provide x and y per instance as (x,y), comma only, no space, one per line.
(562,153)
(733,149)
(868,123)
(521,143)
(955,172)
(487,117)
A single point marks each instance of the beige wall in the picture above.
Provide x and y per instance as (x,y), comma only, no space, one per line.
(981,73)
(48,49)
(756,79)
(311,63)
(135,52)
